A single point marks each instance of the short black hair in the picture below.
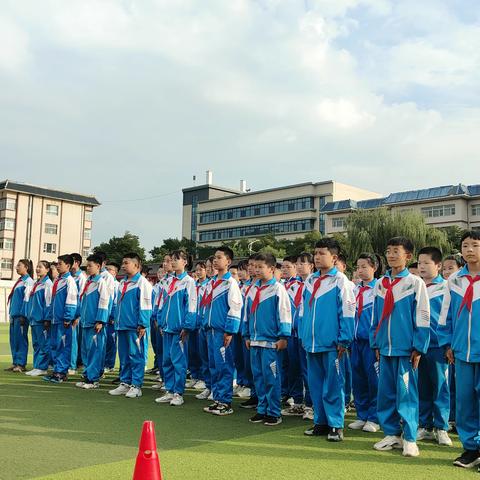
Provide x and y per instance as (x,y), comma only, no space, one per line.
(252,256)
(404,242)
(102,255)
(95,259)
(114,264)
(268,258)
(233,266)
(227,251)
(243,264)
(330,244)
(133,256)
(434,253)
(305,257)
(146,269)
(278,266)
(201,265)
(473,234)
(342,258)
(77,258)
(179,254)
(290,258)
(456,258)
(68,259)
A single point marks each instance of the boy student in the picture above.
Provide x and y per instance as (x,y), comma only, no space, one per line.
(400,333)
(177,316)
(222,304)
(94,302)
(61,314)
(364,362)
(459,334)
(327,330)
(111,347)
(80,279)
(450,265)
(433,388)
(134,308)
(267,326)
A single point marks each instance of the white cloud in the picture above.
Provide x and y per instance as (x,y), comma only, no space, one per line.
(14,46)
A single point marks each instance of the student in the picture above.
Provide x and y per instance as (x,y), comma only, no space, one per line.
(16,310)
(364,362)
(61,314)
(459,334)
(233,269)
(433,388)
(400,333)
(53,274)
(111,347)
(450,265)
(266,330)
(94,300)
(134,308)
(36,311)
(413,268)
(222,304)
(80,280)
(327,330)
(177,316)
(154,331)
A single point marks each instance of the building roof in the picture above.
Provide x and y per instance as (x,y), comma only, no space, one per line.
(48,192)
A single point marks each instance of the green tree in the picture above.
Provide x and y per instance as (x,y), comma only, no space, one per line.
(171,244)
(303,244)
(116,247)
(454,235)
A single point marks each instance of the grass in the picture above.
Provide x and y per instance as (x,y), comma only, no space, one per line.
(60,432)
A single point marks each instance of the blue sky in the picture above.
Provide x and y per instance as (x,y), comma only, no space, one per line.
(128,99)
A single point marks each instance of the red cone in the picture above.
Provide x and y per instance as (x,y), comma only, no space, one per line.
(147,466)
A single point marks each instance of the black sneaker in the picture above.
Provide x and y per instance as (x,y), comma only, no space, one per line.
(257,418)
(335,434)
(210,408)
(272,421)
(116,381)
(250,403)
(468,459)
(47,378)
(152,371)
(223,409)
(317,431)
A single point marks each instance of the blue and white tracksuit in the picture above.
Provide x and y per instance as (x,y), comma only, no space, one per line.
(80,278)
(433,378)
(134,309)
(327,323)
(364,363)
(247,376)
(406,329)
(222,316)
(111,347)
(94,304)
(19,332)
(459,329)
(270,322)
(204,370)
(63,309)
(36,311)
(177,311)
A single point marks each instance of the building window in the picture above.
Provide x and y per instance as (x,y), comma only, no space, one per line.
(86,253)
(49,248)
(338,222)
(87,234)
(52,209)
(51,228)
(7,224)
(6,264)
(193,226)
(476,209)
(6,243)
(88,216)
(8,204)
(438,211)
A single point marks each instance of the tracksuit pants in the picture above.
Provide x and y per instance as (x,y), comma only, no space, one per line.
(41,347)
(154,341)
(94,344)
(348,378)
(19,341)
(294,371)
(159,363)
(74,352)
(221,366)
(61,347)
(239,360)
(194,361)
(131,353)
(111,345)
(175,358)
(204,363)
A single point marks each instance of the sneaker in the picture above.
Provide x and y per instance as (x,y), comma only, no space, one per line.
(31,372)
(38,373)
(335,434)
(308,415)
(190,383)
(443,438)
(157,386)
(272,421)
(210,397)
(152,371)
(18,369)
(210,408)
(80,384)
(236,389)
(203,395)
(116,381)
(134,392)
(410,449)
(252,402)
(357,425)
(71,371)
(257,418)
(222,409)
(9,369)
(58,378)
(425,434)
(287,401)
(388,443)
(200,385)
(293,411)
(244,392)
(122,389)
(468,459)
(90,385)
(177,400)
(371,427)
(47,378)
(167,398)
(317,431)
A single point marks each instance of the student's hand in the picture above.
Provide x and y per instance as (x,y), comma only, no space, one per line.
(281,344)
(66,324)
(183,335)
(450,356)
(341,350)
(415,359)
(227,338)
(247,344)
(46,325)
(140,332)
(98,327)
(377,354)
(75,323)
(22,321)
(155,324)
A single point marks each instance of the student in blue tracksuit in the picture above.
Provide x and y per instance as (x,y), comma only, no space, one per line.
(18,321)
(80,279)
(266,329)
(134,309)
(222,304)
(94,300)
(177,316)
(61,314)
(111,347)
(364,362)
(459,333)
(400,333)
(433,378)
(327,331)
(36,311)
(154,330)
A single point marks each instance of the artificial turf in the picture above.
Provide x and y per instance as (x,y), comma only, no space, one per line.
(61,432)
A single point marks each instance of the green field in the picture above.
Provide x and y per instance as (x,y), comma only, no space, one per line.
(60,432)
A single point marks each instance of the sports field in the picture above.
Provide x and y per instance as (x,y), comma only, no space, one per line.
(61,432)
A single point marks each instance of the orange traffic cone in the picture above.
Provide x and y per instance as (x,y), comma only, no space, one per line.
(147,466)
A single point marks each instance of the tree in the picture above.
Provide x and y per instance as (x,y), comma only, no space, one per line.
(454,235)
(116,247)
(171,244)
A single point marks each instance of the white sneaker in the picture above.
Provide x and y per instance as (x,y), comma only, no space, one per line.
(210,397)
(424,434)
(90,386)
(389,442)
(158,378)
(157,386)
(31,372)
(190,383)
(308,415)
(203,395)
(167,398)
(177,400)
(410,449)
(80,384)
(122,389)
(244,392)
(371,427)
(236,389)
(38,373)
(357,425)
(71,371)
(443,438)
(134,392)
(200,385)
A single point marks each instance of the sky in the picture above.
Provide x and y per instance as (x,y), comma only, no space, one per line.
(128,99)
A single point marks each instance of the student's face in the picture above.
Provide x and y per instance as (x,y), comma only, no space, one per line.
(54,271)
(160,273)
(62,267)
(21,269)
(397,256)
(130,266)
(304,268)
(471,250)
(178,264)
(427,268)
(41,270)
(263,271)
(112,271)
(221,261)
(341,266)
(324,259)
(167,263)
(234,273)
(449,267)
(289,269)
(201,272)
(93,268)
(243,275)
(251,268)
(365,271)
(211,272)
(278,274)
